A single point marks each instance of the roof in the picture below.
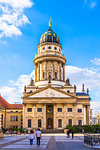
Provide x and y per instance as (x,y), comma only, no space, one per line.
(17,106)
(4,103)
(81,94)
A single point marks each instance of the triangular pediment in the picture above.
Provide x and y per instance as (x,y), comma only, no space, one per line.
(50,92)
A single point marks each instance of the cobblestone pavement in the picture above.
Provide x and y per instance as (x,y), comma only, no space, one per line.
(48,142)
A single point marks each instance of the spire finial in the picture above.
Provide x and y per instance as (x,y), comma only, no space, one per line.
(50,23)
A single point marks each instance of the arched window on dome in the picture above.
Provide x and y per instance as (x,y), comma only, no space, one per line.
(54,39)
(49,38)
(55,75)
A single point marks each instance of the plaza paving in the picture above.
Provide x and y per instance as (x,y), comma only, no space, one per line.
(48,142)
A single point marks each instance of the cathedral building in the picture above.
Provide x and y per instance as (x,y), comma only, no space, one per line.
(51,102)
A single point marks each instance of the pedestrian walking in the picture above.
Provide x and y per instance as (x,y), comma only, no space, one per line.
(72,134)
(38,136)
(31,137)
(68,134)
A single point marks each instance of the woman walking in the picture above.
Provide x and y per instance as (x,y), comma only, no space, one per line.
(38,136)
(31,137)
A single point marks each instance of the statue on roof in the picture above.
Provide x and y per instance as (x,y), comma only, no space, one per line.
(31,82)
(50,23)
(74,88)
(87,91)
(68,81)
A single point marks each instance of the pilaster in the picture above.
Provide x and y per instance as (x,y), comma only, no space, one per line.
(75,113)
(54,117)
(44,116)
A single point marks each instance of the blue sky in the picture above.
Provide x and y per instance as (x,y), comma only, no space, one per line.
(21,25)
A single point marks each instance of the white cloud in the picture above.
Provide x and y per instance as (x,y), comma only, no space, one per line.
(12,16)
(78,76)
(96,61)
(90,3)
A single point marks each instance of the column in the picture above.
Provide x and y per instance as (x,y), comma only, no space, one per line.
(24,119)
(53,75)
(84,108)
(65,121)
(75,114)
(63,72)
(44,116)
(38,71)
(34,116)
(54,117)
(60,71)
(87,114)
(45,70)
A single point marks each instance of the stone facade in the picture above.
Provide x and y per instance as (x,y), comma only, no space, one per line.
(50,102)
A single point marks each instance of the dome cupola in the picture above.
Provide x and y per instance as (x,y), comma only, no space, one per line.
(49,36)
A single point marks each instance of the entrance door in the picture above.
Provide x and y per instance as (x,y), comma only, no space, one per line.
(49,116)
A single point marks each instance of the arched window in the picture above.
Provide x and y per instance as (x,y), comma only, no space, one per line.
(54,39)
(49,39)
(80,122)
(55,75)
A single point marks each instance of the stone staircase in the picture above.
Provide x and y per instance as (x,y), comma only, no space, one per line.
(52,131)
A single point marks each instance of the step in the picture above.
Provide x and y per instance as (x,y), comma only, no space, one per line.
(52,130)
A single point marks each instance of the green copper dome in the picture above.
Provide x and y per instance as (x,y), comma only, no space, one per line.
(49,36)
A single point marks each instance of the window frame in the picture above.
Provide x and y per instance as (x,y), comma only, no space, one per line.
(29,123)
(38,109)
(59,123)
(69,109)
(28,109)
(58,109)
(39,123)
(79,111)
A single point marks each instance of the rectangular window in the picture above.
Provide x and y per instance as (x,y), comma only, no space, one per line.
(69,109)
(59,123)
(29,123)
(39,109)
(70,121)
(16,118)
(16,127)
(55,75)
(29,109)
(80,122)
(13,127)
(79,110)
(11,118)
(59,109)
(39,123)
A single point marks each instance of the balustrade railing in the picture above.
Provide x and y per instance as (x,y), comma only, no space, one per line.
(92,140)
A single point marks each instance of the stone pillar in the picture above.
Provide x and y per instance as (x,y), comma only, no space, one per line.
(38,71)
(84,108)
(75,114)
(65,121)
(60,71)
(44,116)
(24,119)
(54,117)
(87,114)
(45,70)
(64,72)
(53,75)
(34,116)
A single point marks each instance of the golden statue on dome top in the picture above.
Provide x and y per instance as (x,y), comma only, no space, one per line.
(50,23)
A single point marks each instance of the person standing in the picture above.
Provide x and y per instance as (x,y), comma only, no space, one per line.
(31,137)
(38,136)
(72,134)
